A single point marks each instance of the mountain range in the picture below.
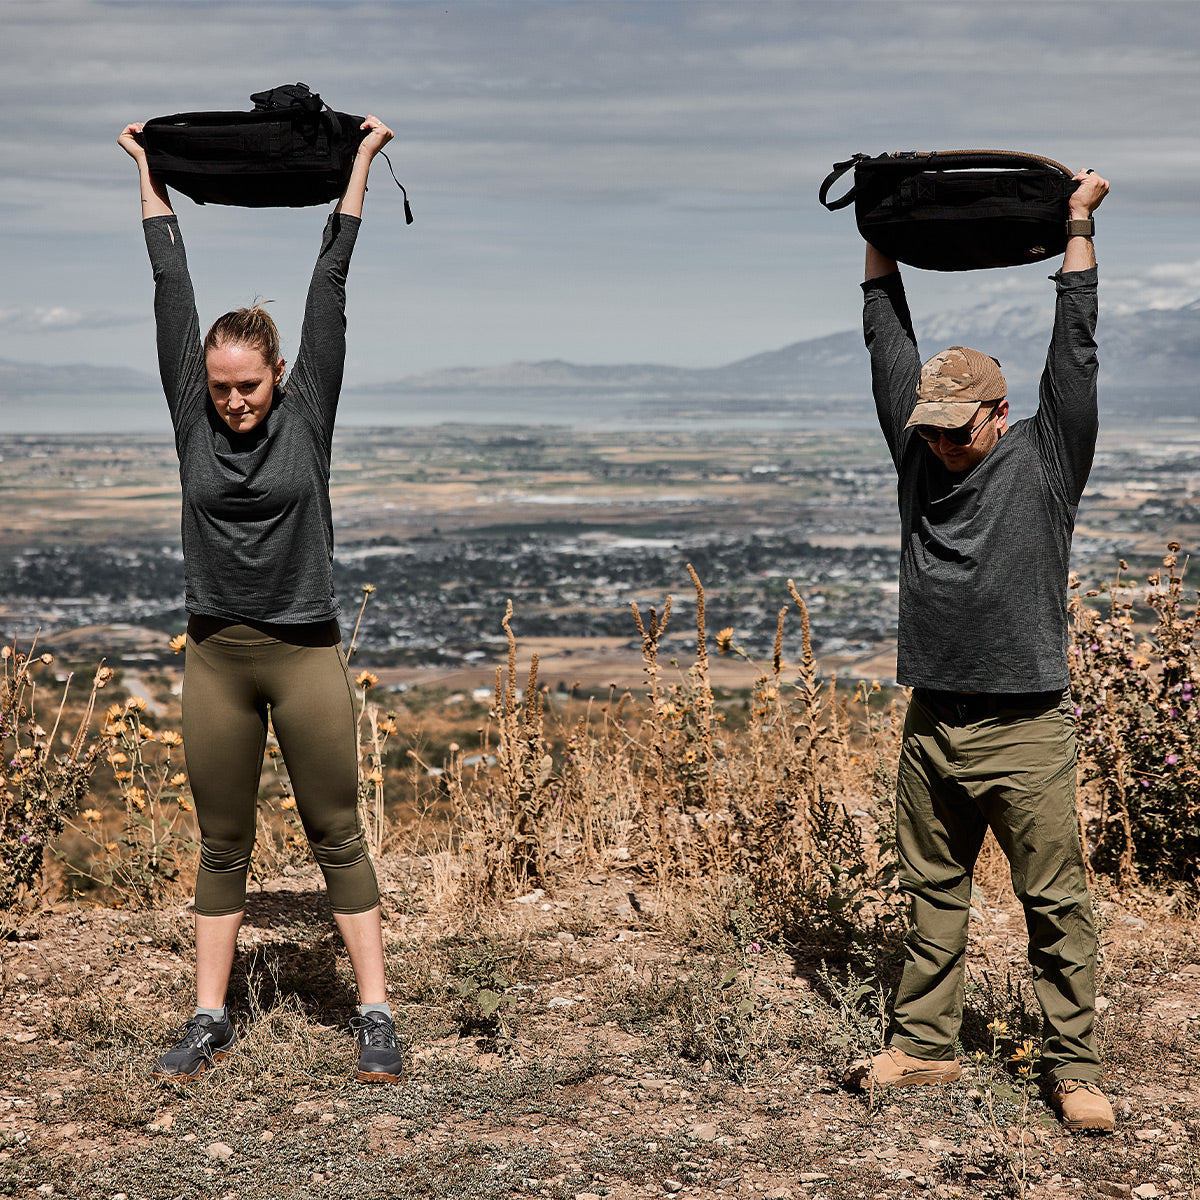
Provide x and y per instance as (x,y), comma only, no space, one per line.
(1150,361)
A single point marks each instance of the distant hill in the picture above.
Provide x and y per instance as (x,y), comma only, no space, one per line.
(1150,361)
(1151,357)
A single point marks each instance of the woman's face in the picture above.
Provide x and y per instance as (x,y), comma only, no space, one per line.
(242,384)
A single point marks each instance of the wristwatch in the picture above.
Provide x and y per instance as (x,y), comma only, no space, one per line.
(1082,228)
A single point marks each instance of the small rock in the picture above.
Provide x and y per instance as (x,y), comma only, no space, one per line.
(46,1189)
(672,1185)
(219,1150)
(1110,1187)
(587,1196)
(812,1177)
(267,1136)
(530,897)
(1137,923)
(780,1193)
(564,937)
(1147,1191)
(1147,1135)
(327,1118)
(560,1002)
(706,1132)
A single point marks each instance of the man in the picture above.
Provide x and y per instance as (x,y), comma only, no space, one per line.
(987,511)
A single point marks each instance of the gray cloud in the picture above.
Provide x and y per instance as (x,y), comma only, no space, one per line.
(593,179)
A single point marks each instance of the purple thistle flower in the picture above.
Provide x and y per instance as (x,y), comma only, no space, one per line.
(1171,759)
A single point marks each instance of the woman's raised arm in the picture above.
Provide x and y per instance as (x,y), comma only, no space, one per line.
(155,200)
(378,136)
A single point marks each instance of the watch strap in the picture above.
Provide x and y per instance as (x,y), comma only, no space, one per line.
(1082,228)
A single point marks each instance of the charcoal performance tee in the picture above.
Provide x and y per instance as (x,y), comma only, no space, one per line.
(984,554)
(256,521)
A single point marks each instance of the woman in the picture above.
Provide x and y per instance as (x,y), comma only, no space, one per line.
(263,637)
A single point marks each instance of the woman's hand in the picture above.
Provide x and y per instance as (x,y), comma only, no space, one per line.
(129,143)
(155,200)
(378,136)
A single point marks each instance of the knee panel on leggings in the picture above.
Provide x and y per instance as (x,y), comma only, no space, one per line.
(349,876)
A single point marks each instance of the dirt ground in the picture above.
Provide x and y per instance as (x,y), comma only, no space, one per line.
(616,1064)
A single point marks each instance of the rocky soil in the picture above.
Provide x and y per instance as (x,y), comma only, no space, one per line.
(636,1050)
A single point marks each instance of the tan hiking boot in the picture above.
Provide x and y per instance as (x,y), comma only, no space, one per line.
(894,1068)
(1082,1105)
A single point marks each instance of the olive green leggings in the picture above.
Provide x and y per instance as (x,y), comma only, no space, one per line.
(236,676)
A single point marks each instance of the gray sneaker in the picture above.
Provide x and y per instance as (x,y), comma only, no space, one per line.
(202,1041)
(379,1058)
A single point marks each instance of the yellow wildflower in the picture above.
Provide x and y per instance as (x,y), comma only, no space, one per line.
(177,780)
(136,796)
(366,680)
(184,803)
(368,589)
(169,737)
(387,725)
(1023,1051)
(90,814)
(177,643)
(287,802)
(997,1028)
(725,639)
(138,702)
(376,776)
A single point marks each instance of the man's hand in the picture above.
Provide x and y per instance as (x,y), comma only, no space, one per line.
(1087,196)
(1081,254)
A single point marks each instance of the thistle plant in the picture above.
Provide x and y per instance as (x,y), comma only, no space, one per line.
(1135,673)
(40,786)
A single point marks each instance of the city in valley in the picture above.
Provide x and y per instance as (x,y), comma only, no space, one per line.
(572,525)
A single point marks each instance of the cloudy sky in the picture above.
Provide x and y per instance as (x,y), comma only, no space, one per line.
(596,180)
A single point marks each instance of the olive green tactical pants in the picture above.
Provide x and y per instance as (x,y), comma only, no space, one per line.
(1014,770)
(234,677)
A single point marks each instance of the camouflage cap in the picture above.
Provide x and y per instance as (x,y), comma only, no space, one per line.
(954,384)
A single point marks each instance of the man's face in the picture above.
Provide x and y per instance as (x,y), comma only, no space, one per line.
(988,426)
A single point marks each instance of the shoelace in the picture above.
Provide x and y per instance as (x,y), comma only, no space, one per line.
(194,1035)
(373,1031)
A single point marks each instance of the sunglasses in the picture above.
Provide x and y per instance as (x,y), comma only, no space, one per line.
(963,435)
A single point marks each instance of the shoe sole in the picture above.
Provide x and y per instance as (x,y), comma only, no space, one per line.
(376,1077)
(1100,1126)
(919,1078)
(220,1056)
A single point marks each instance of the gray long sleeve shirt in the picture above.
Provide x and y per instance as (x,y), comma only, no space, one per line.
(984,554)
(256,521)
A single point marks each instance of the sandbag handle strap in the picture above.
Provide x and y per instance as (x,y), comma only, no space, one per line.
(408,217)
(967,158)
(839,169)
